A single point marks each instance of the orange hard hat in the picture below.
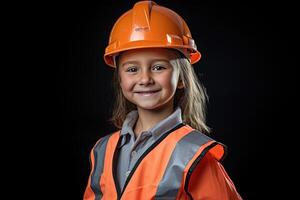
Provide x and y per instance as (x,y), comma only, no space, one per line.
(148,25)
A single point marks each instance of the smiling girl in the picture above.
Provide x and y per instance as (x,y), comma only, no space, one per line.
(161,150)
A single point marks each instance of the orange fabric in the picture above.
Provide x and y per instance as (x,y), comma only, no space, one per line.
(218,152)
(210,181)
(182,194)
(89,194)
(143,185)
(107,181)
(149,25)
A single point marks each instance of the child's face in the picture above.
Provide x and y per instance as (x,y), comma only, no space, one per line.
(147,78)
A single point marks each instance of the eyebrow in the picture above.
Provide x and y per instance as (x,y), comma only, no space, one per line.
(129,62)
(154,60)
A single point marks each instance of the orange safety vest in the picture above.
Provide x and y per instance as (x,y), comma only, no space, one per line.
(162,172)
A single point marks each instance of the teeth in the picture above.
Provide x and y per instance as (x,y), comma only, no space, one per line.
(147,93)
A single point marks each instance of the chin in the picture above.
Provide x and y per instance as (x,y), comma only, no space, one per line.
(151,106)
(148,107)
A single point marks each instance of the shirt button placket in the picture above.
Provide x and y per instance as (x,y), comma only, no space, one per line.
(133,154)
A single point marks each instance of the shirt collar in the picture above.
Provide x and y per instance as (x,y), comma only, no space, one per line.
(129,123)
(163,126)
(167,124)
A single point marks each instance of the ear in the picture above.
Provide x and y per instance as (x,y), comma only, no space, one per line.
(180,84)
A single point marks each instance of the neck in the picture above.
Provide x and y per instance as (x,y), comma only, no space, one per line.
(148,118)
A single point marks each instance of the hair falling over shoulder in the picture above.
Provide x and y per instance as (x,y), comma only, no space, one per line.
(193,98)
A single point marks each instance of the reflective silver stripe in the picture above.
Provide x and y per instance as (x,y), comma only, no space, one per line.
(184,151)
(99,156)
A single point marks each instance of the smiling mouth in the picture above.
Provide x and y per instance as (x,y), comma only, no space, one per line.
(147,93)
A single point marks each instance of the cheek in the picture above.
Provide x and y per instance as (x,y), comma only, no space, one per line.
(170,81)
(175,77)
(125,83)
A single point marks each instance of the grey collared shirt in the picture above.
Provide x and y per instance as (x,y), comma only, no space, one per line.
(130,148)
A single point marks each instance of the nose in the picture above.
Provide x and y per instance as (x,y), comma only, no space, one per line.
(145,78)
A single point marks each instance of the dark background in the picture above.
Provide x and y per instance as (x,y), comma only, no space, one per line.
(247,67)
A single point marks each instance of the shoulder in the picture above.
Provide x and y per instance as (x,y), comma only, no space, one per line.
(217,150)
(206,144)
(102,142)
(208,173)
(197,134)
(99,149)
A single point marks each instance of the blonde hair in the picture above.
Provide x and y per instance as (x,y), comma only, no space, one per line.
(191,99)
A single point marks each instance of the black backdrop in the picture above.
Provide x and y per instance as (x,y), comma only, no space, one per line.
(246,68)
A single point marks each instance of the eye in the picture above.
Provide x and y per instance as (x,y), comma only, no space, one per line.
(131,69)
(158,67)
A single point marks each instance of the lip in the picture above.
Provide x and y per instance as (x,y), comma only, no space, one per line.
(147,93)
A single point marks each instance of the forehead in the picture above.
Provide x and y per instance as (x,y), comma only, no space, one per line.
(147,55)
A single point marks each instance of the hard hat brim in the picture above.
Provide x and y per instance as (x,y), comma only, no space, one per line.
(194,55)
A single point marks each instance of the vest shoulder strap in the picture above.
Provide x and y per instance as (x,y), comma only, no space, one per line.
(97,159)
(190,148)
(205,144)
